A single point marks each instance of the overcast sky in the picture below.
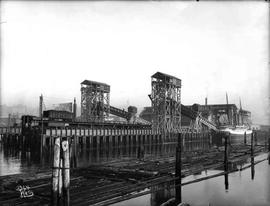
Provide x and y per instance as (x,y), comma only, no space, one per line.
(214,47)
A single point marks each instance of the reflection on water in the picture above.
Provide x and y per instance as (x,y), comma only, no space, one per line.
(247,187)
(240,188)
(16,160)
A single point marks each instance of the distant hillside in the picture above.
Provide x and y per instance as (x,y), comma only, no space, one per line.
(17,110)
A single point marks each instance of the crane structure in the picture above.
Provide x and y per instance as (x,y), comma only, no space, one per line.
(166,104)
(95,101)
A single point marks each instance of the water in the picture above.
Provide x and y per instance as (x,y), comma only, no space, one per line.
(14,161)
(242,190)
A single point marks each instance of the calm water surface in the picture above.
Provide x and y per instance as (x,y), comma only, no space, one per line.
(242,190)
(13,161)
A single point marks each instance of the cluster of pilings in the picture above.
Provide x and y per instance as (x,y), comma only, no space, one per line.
(28,142)
(226,139)
(142,141)
(61,172)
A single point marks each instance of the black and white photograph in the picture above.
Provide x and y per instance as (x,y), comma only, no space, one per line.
(134,103)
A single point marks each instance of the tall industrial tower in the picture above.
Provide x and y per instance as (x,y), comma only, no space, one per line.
(95,100)
(166,104)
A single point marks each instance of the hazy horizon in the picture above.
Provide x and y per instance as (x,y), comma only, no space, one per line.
(49,48)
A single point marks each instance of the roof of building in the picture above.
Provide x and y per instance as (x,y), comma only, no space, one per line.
(244,111)
(219,105)
(89,82)
(212,105)
(160,75)
(166,77)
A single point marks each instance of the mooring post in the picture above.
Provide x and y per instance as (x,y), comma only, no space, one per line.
(252,154)
(252,143)
(178,187)
(226,169)
(71,151)
(66,172)
(245,138)
(225,152)
(55,173)
(75,150)
(41,145)
(226,181)
(60,182)
(252,167)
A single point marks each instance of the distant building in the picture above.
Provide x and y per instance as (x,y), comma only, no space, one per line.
(255,127)
(244,117)
(265,128)
(219,114)
(12,121)
(147,114)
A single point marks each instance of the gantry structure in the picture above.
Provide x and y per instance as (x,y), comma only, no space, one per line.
(166,104)
(95,101)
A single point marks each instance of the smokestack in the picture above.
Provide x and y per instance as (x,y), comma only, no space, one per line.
(240,104)
(206,101)
(74,109)
(227,101)
(40,105)
(9,122)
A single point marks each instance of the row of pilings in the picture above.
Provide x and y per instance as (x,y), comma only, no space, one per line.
(31,139)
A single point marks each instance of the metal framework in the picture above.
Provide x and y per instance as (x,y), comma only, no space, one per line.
(166,104)
(95,101)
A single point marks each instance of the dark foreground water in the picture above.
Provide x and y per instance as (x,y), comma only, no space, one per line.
(242,190)
(14,161)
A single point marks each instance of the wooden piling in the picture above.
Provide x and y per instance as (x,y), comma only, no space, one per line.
(226,175)
(252,155)
(255,138)
(60,182)
(75,150)
(245,138)
(225,152)
(41,145)
(252,168)
(268,150)
(226,168)
(66,172)
(178,187)
(252,143)
(55,173)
